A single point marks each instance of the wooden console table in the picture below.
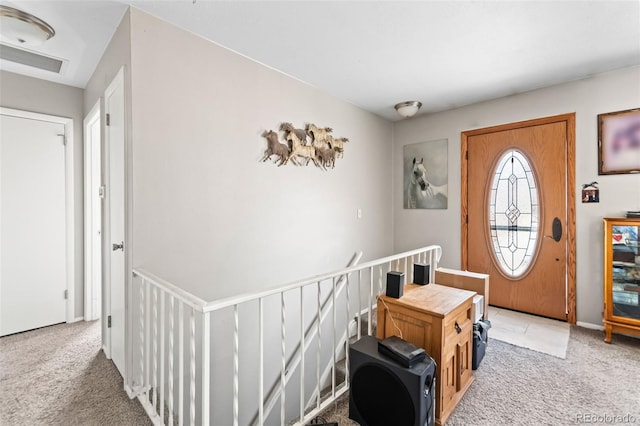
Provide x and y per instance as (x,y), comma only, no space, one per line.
(438,319)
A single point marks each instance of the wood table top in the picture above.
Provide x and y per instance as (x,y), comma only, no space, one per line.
(433,299)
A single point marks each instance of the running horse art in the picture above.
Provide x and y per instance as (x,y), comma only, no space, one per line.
(420,192)
(274,147)
(303,146)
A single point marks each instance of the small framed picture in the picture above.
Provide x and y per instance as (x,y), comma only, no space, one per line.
(619,142)
(590,194)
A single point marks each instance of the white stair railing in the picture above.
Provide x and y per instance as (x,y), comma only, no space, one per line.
(309,334)
(201,363)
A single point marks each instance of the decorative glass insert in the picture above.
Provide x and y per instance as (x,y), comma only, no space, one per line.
(514,213)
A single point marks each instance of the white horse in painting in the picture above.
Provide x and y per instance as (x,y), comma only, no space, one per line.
(421,192)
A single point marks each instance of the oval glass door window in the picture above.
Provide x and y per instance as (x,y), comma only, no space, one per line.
(514,214)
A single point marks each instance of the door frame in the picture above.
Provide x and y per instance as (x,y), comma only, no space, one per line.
(91,288)
(69,181)
(119,79)
(570,120)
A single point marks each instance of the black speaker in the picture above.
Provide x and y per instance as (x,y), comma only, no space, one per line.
(383,393)
(421,273)
(395,284)
(480,337)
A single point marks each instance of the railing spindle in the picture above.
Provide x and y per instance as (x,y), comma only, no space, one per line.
(142,330)
(412,262)
(162,352)
(432,267)
(236,361)
(155,349)
(359,304)
(147,337)
(302,352)
(283,355)
(192,371)
(171,321)
(348,336)
(180,363)
(406,271)
(261,366)
(370,300)
(206,365)
(318,354)
(333,339)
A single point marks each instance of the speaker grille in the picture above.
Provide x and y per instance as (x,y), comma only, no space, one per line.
(381,398)
(31,59)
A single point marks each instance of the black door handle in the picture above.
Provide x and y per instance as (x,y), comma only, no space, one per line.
(556,230)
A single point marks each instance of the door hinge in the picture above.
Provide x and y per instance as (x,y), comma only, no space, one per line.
(109,321)
(108,119)
(466,218)
(466,155)
(64,138)
(101,191)
(66,294)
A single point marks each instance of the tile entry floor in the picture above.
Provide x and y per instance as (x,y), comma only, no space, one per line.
(529,331)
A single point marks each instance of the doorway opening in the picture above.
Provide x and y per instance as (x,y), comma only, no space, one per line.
(93,194)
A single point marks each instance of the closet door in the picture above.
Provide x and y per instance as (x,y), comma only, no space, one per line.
(32,224)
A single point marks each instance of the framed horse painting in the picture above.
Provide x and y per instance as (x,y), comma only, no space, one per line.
(426,175)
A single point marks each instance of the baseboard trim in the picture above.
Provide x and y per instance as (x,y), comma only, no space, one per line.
(76,319)
(590,326)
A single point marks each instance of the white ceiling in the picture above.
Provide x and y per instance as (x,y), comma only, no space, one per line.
(83,31)
(375,54)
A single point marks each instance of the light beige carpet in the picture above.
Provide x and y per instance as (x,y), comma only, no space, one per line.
(58,375)
(596,383)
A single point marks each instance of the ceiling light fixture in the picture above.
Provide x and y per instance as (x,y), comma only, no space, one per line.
(408,109)
(21,27)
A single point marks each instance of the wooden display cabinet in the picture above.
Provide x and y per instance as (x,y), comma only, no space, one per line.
(621,277)
(438,319)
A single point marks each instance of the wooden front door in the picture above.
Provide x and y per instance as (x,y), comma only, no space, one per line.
(518,221)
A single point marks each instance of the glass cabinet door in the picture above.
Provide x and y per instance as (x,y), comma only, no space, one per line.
(626,271)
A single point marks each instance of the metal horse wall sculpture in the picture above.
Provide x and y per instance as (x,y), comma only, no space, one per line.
(302,146)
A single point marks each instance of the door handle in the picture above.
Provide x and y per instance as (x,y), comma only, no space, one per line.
(118,246)
(556,230)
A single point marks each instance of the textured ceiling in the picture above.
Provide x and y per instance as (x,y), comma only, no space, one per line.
(375,54)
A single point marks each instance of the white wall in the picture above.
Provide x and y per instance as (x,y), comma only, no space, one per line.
(116,55)
(618,90)
(213,219)
(208,215)
(32,94)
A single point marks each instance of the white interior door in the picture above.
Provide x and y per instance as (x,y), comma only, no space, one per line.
(115,212)
(32,224)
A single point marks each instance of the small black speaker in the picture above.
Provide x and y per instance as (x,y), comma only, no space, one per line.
(421,273)
(384,393)
(395,284)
